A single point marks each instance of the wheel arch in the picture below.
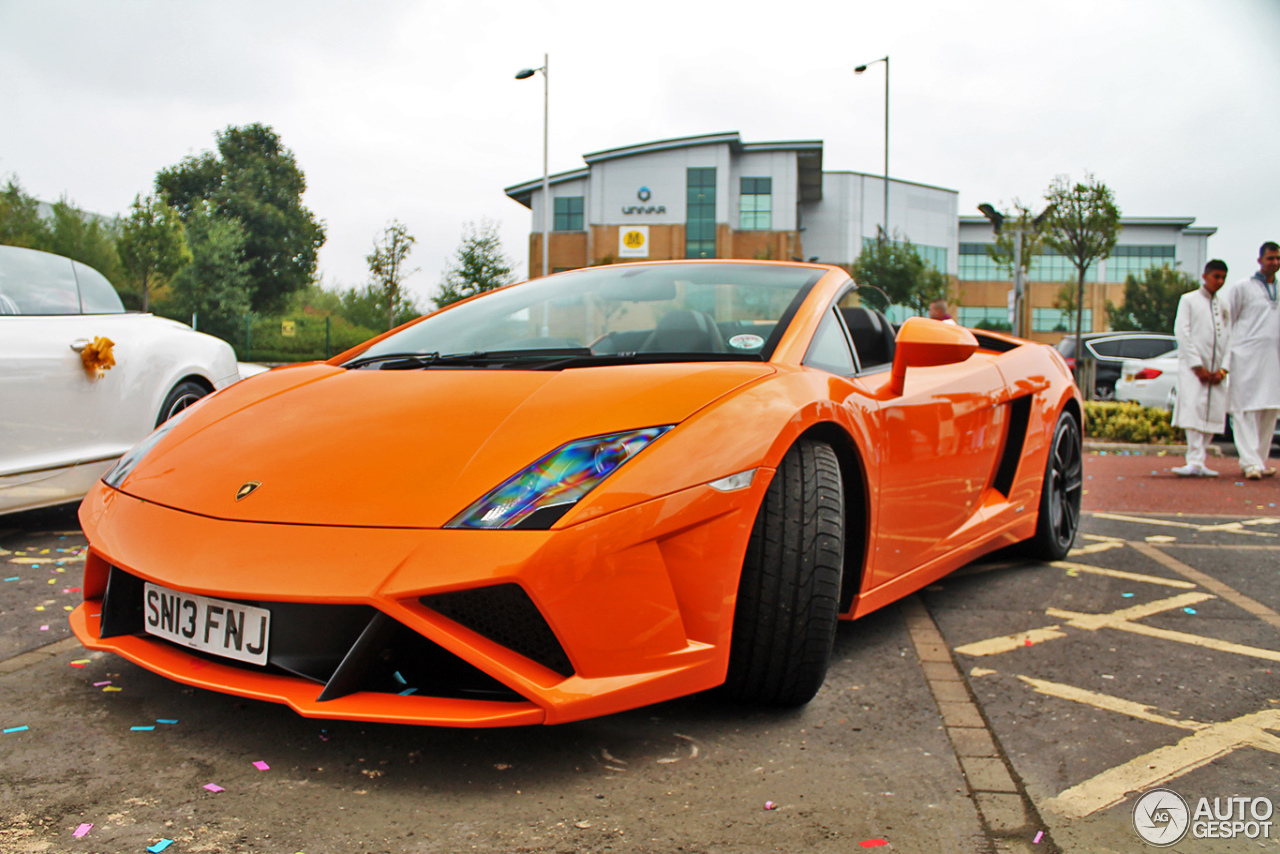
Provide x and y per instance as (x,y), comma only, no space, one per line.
(857,505)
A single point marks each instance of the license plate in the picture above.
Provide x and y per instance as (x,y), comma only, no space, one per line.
(209,625)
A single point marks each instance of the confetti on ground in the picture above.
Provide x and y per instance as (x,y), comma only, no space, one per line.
(22,728)
(1127,595)
(80,662)
(1189,610)
(13,578)
(770,805)
(166,720)
(100,684)
(1027,642)
(159,846)
(1039,836)
(873,843)
(407,691)
(82,830)
(45,629)
(261,766)
(112,688)
(142,728)
(214,787)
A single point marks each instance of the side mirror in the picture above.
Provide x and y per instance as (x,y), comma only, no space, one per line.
(924,343)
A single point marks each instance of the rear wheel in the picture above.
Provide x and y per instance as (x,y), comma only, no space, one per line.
(179,398)
(1059,517)
(788,598)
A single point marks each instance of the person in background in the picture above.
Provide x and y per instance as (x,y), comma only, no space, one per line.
(1254,307)
(1203,330)
(938,311)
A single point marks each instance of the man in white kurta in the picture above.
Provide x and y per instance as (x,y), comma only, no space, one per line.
(1203,330)
(1254,306)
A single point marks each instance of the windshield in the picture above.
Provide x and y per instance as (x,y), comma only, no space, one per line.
(638,312)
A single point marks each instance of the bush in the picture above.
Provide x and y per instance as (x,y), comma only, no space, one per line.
(1130,422)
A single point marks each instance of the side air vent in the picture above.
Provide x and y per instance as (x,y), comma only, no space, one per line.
(506,615)
(1014,438)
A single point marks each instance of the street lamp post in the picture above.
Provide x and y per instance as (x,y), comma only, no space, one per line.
(859,70)
(525,74)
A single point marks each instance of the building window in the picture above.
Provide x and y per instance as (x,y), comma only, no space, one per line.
(1136,260)
(755,204)
(984,317)
(977,266)
(935,255)
(1057,320)
(700,219)
(568,213)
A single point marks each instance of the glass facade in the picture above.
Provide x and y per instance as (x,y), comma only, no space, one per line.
(755,204)
(1136,260)
(700,218)
(1057,320)
(568,216)
(984,316)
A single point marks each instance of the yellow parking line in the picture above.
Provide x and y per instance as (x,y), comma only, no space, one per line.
(1118,573)
(1165,763)
(992,646)
(1108,703)
(1093,622)
(1235,597)
(1230,527)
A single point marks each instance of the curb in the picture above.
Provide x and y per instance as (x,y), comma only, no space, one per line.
(1096,447)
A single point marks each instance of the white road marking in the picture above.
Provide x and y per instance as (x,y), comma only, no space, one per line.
(1230,527)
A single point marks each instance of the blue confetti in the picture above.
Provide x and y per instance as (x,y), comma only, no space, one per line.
(407,691)
(1127,595)
(141,728)
(400,678)
(159,846)
(17,577)
(1189,610)
(166,721)
(22,728)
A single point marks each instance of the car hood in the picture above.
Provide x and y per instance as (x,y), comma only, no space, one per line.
(401,448)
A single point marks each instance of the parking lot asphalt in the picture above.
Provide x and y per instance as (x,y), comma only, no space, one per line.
(1014,706)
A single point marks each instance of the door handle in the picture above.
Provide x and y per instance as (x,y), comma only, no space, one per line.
(79,344)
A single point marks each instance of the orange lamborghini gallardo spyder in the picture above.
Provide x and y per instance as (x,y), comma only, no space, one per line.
(578,495)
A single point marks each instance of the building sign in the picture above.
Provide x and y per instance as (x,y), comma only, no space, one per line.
(643,194)
(633,241)
(288,328)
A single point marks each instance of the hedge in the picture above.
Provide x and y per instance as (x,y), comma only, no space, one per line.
(1130,422)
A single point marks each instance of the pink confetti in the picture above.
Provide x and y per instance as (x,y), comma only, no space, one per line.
(873,843)
(82,830)
(45,629)
(770,805)
(1039,836)
(261,766)
(100,684)
(214,787)
(1027,642)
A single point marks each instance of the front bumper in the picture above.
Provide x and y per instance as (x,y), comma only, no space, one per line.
(442,627)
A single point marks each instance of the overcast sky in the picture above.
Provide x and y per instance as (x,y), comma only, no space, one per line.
(410,110)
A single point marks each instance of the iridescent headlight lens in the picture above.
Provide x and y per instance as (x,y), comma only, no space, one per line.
(118,472)
(543,492)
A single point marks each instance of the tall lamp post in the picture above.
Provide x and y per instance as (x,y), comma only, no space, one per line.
(525,74)
(859,70)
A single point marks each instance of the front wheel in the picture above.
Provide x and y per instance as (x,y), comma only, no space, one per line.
(179,398)
(784,624)
(1059,516)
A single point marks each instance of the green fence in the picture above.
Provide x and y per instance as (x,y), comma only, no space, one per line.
(292,338)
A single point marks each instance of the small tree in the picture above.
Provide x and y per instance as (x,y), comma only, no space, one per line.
(896,269)
(1150,305)
(387,266)
(479,265)
(152,245)
(1083,226)
(1065,302)
(1019,222)
(20,222)
(367,307)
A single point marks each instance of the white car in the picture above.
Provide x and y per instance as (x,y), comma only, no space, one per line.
(65,415)
(1149,381)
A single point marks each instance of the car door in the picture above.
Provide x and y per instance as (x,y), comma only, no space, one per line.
(54,412)
(936,453)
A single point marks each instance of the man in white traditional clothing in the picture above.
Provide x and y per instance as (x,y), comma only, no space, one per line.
(1254,308)
(1203,330)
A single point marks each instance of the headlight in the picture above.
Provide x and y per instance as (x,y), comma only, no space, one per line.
(545,491)
(118,472)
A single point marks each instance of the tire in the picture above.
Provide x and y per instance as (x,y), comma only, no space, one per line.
(179,398)
(1059,516)
(784,624)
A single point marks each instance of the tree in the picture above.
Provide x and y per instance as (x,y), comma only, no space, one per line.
(255,181)
(367,307)
(1066,303)
(1150,305)
(152,245)
(387,266)
(1018,222)
(20,222)
(1083,226)
(479,265)
(215,287)
(83,237)
(897,270)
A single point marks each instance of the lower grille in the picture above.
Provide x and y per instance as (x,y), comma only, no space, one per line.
(506,615)
(346,648)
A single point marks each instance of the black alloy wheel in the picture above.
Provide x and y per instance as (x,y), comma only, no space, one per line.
(1059,517)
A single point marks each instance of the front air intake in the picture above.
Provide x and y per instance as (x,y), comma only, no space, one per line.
(506,615)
